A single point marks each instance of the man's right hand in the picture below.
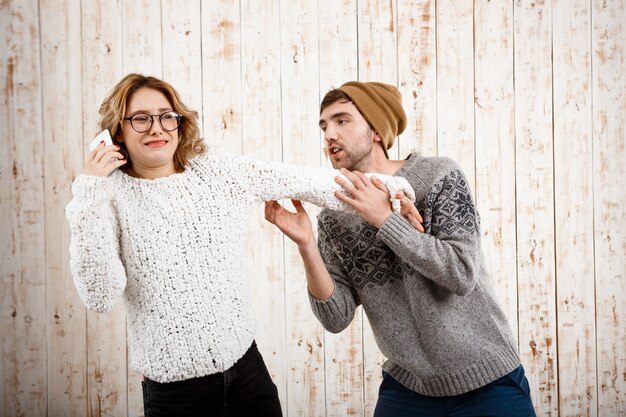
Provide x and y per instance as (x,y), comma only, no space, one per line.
(297,226)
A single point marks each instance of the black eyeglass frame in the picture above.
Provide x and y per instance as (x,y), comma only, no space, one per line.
(178,116)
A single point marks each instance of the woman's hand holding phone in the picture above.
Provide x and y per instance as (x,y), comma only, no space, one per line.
(104,157)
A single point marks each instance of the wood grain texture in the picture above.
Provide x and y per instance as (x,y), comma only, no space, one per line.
(221,74)
(417,72)
(455,84)
(529,96)
(23,316)
(495,147)
(535,201)
(142,37)
(573,207)
(609,199)
(61,67)
(182,50)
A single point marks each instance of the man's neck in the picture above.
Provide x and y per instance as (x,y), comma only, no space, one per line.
(382,165)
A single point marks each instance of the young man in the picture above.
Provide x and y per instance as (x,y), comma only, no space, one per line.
(427,295)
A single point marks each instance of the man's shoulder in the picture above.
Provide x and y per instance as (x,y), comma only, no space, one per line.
(423,172)
(430,164)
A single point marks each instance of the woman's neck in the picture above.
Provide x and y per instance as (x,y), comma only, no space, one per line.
(150,173)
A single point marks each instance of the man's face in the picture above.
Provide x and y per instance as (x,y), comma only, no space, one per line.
(348,137)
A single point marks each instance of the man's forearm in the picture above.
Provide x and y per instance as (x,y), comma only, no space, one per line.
(320,284)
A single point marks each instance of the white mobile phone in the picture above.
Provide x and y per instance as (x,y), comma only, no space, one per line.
(102,136)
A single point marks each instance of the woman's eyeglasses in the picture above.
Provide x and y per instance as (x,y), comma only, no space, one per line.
(142,122)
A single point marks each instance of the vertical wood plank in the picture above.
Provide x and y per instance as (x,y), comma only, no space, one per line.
(142,42)
(60,360)
(182,50)
(22,251)
(300,115)
(455,83)
(261,129)
(61,67)
(378,61)
(378,49)
(417,76)
(535,201)
(106,333)
(609,200)
(573,188)
(495,147)
(221,74)
(344,351)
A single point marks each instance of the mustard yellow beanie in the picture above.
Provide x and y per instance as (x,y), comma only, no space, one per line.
(381,105)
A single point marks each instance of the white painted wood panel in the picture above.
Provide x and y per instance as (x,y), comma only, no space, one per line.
(142,37)
(417,71)
(573,207)
(495,147)
(61,69)
(535,201)
(221,74)
(529,96)
(23,321)
(455,83)
(608,65)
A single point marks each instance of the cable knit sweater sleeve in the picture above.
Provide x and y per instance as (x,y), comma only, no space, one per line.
(98,272)
(337,312)
(449,252)
(276,180)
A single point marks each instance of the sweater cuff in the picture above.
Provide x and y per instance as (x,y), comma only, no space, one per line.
(396,228)
(324,309)
(93,188)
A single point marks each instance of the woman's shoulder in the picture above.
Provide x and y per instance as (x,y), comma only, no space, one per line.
(214,155)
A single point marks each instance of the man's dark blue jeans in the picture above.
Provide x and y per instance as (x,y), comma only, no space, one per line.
(246,389)
(508,396)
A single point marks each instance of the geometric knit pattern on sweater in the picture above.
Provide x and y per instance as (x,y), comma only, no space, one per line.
(455,215)
(427,295)
(172,249)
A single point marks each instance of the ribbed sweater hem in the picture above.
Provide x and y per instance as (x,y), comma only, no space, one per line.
(459,382)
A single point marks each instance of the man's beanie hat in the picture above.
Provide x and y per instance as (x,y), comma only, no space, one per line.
(381,105)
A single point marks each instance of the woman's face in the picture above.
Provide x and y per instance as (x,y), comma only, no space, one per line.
(154,148)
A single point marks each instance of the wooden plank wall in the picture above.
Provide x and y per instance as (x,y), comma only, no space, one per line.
(528,96)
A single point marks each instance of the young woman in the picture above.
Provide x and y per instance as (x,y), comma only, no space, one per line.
(166,232)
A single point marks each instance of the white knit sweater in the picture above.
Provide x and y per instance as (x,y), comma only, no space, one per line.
(173,248)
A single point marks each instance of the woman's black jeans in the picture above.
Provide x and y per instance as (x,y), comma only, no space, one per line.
(246,389)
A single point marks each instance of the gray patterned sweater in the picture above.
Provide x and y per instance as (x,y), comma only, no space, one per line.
(427,295)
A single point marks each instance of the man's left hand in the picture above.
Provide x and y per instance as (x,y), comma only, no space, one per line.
(370,198)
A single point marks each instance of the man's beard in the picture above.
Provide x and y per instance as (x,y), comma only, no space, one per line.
(360,156)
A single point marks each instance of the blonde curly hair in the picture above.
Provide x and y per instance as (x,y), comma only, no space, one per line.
(113,110)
